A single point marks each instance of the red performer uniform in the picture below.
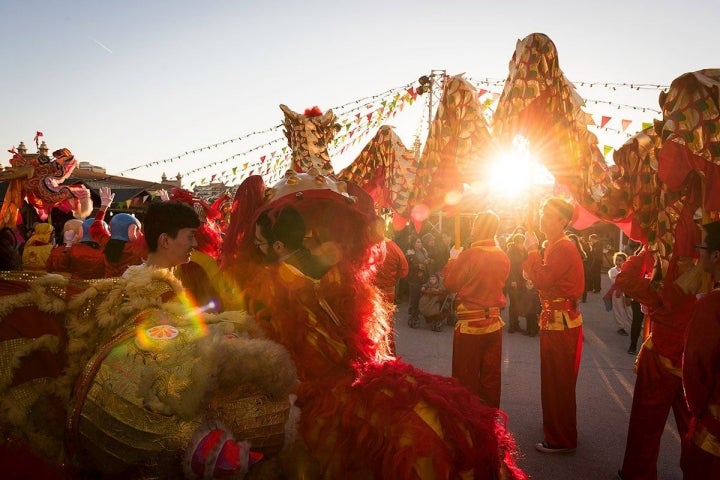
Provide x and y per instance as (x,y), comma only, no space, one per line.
(82,260)
(560,282)
(393,268)
(133,253)
(658,386)
(478,276)
(701,378)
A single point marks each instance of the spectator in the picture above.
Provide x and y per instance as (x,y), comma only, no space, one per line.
(418,262)
(432,298)
(515,286)
(620,303)
(531,308)
(594,264)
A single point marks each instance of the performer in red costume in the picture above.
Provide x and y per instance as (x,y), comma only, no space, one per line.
(201,275)
(84,259)
(363,413)
(658,386)
(701,376)
(123,243)
(478,275)
(393,268)
(560,281)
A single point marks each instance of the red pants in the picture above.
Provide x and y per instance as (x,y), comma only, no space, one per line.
(696,463)
(476,363)
(560,352)
(656,391)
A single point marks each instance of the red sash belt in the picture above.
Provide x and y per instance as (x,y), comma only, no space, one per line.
(569,304)
(482,317)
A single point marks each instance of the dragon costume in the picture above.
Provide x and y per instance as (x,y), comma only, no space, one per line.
(365,413)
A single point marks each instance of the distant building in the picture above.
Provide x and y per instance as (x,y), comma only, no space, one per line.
(212,191)
(177,183)
(91,168)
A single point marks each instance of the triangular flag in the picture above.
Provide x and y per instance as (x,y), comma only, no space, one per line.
(625,124)
(604,121)
(606,149)
(646,125)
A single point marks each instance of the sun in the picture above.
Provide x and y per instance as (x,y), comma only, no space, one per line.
(513,172)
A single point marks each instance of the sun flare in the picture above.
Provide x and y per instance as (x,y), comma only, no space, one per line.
(513,172)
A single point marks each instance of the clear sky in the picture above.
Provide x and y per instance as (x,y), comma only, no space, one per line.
(128,83)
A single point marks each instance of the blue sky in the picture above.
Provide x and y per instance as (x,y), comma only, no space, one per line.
(124,84)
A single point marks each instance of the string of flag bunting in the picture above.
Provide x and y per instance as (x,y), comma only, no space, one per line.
(359,118)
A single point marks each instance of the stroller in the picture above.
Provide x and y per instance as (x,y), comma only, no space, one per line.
(436,305)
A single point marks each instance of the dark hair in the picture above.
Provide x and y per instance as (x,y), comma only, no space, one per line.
(169,218)
(485,225)
(286,226)
(563,207)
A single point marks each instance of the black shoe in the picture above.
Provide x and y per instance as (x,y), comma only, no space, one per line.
(621,331)
(547,448)
(632,351)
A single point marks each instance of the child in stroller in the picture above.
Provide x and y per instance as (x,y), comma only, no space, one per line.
(435,304)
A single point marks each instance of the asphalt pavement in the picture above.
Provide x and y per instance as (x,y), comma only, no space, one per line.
(604,394)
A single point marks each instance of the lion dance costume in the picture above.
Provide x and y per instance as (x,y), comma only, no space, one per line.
(364,413)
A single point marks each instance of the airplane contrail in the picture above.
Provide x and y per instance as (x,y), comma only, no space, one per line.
(102,46)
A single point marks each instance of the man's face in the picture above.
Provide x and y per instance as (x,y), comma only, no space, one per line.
(264,247)
(551,222)
(708,258)
(180,247)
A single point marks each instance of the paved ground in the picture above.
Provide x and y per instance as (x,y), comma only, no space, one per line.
(604,395)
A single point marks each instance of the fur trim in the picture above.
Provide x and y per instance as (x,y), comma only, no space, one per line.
(45,342)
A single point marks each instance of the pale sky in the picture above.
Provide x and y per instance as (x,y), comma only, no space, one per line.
(127,83)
